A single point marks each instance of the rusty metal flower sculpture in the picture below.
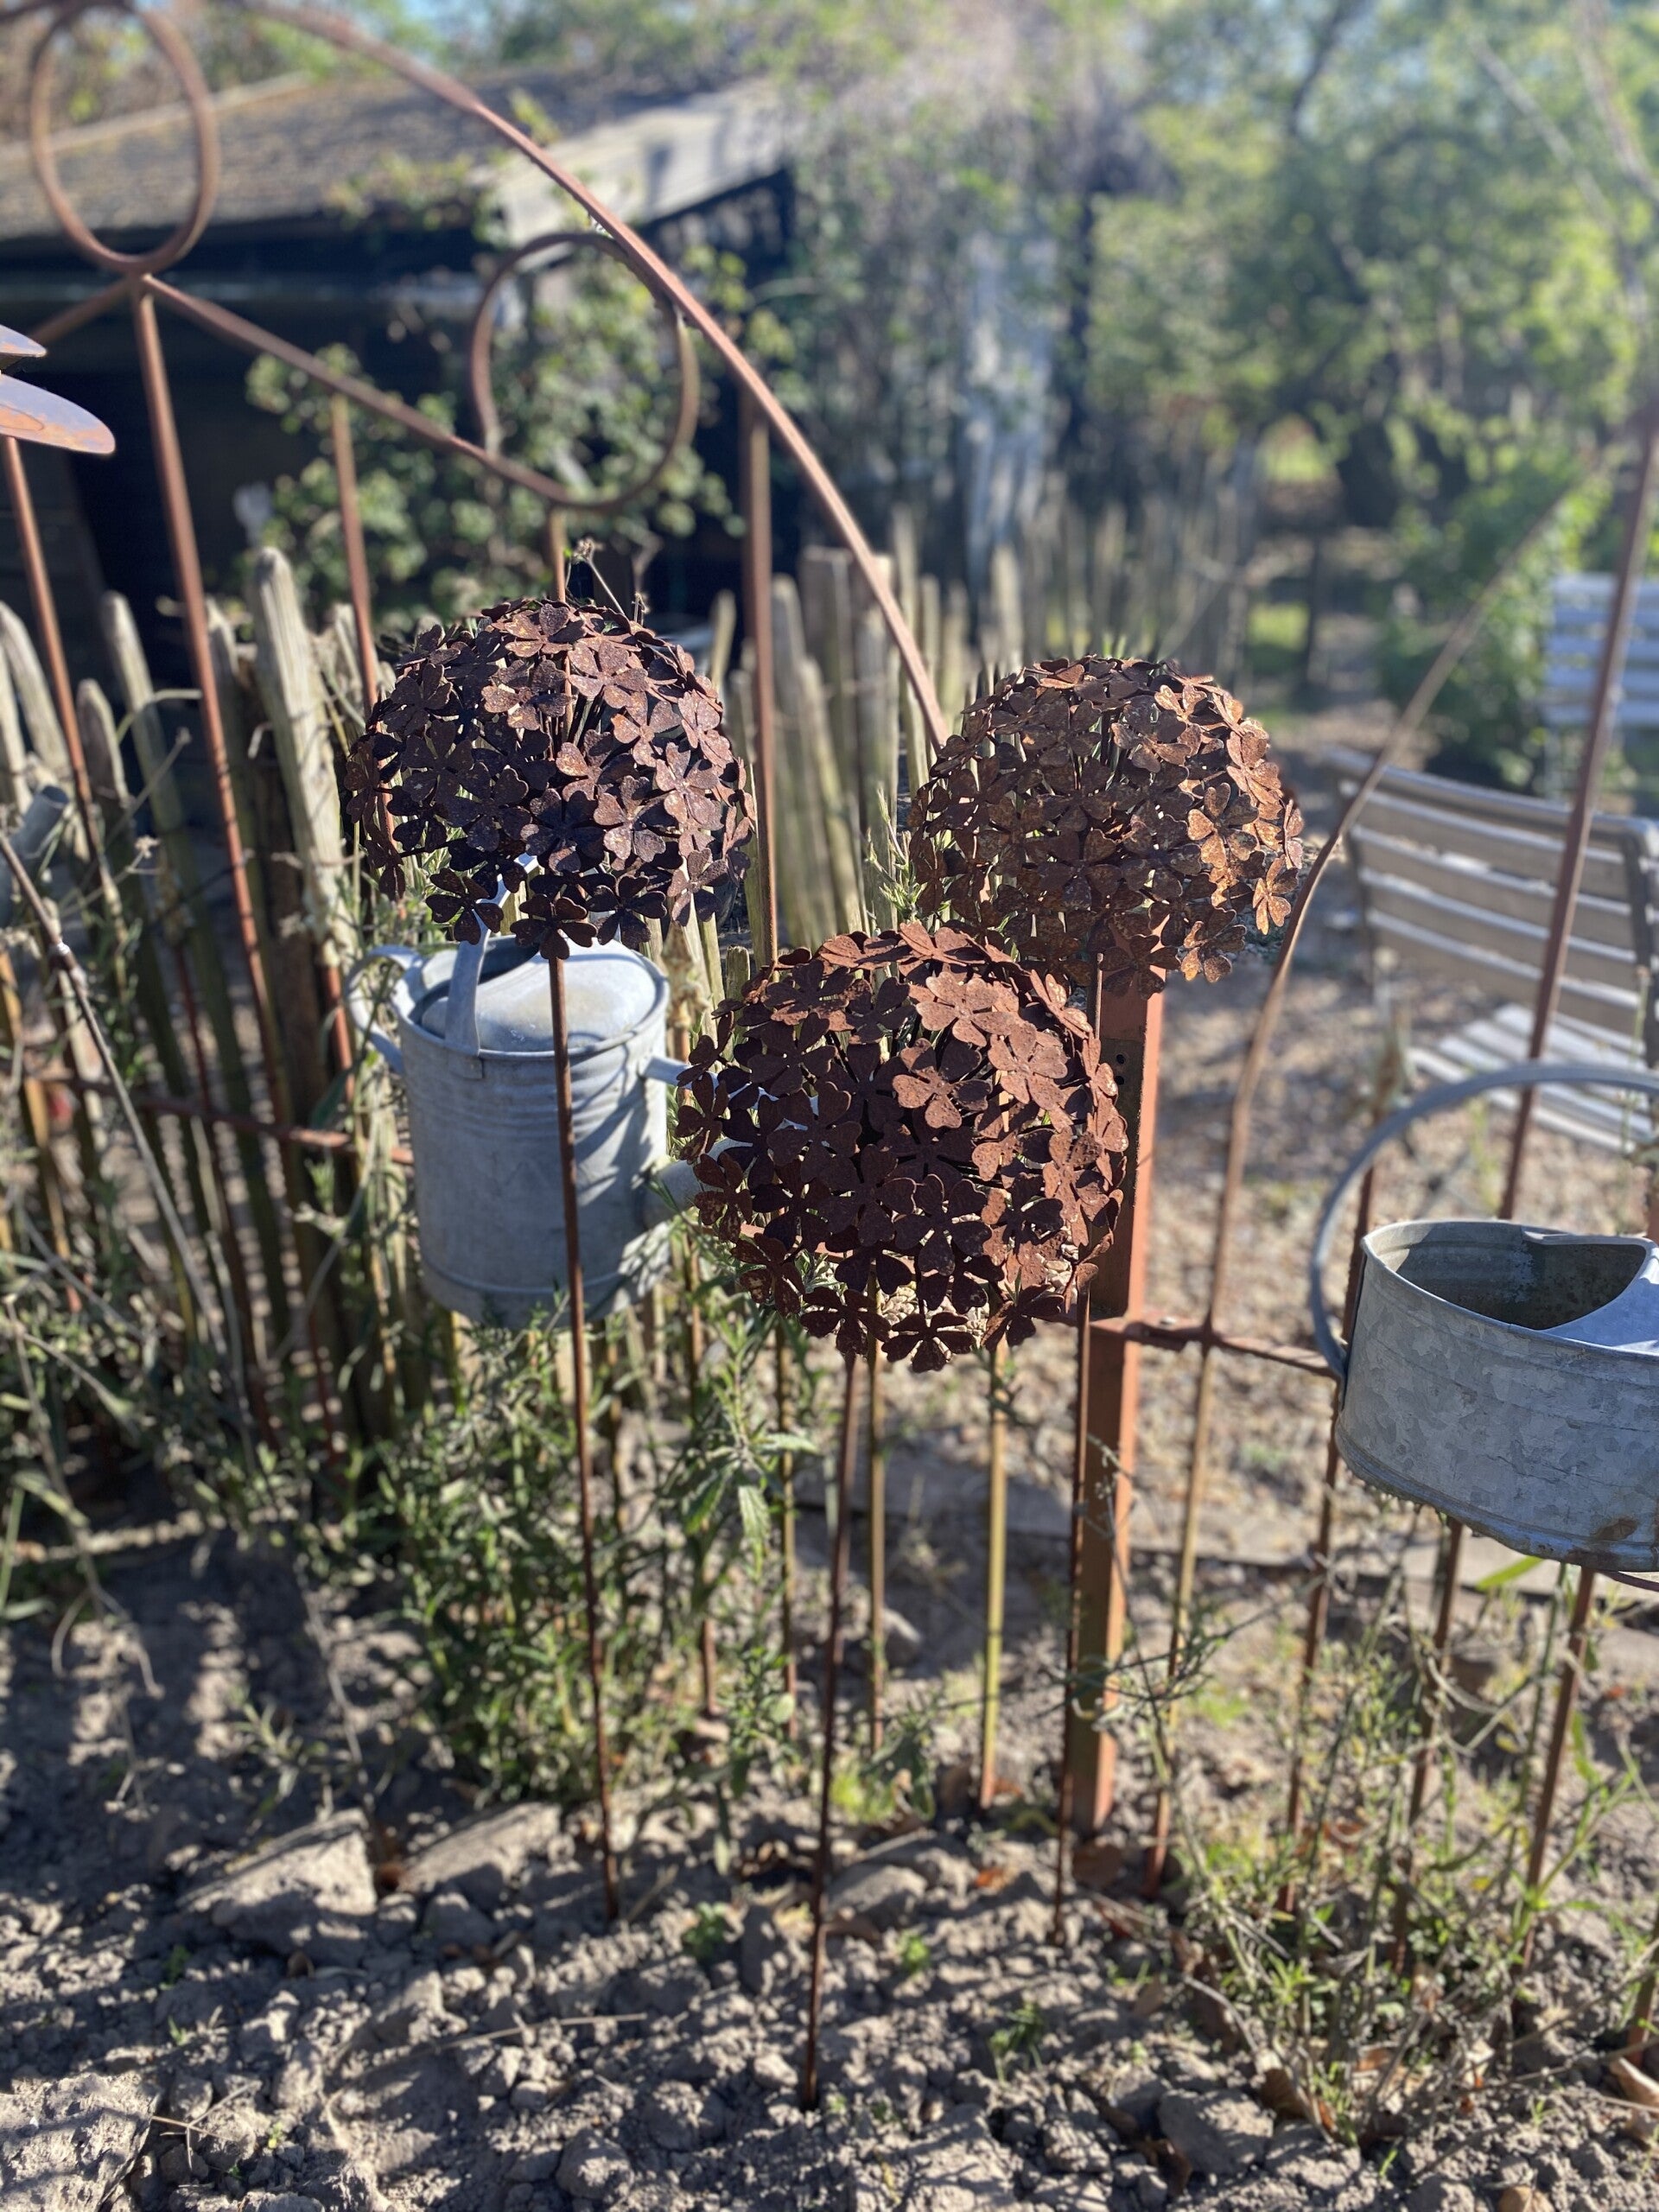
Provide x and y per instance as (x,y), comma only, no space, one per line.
(561,751)
(1117,808)
(909,1140)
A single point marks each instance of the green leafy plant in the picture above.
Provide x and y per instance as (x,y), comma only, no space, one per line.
(1018,2039)
(707,1934)
(912,1954)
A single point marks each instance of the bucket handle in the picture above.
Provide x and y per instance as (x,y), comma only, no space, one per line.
(403,957)
(1524,1075)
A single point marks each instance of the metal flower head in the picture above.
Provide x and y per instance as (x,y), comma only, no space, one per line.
(1117,808)
(561,751)
(908,1139)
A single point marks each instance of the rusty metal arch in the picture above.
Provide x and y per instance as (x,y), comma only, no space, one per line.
(176,50)
(478,352)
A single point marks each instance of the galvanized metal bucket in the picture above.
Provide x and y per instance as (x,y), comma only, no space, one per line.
(473,1047)
(1505,1375)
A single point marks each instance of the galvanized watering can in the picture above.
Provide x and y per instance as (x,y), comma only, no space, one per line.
(473,1047)
(1506,1376)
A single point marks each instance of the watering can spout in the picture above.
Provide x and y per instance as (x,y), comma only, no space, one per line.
(670,1193)
(1627,1322)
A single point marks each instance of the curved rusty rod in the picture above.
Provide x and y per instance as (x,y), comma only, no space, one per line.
(1575,844)
(655,273)
(1410,719)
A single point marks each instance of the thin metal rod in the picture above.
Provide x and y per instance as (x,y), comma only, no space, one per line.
(754,493)
(876,1455)
(1620,615)
(996,1573)
(1428,1713)
(840,1559)
(1186,1568)
(1642,2021)
(1171,1335)
(1576,843)
(46,622)
(1067,1791)
(1130,1027)
(786,1526)
(579,1407)
(1319,1596)
(1566,1699)
(187,563)
(357,554)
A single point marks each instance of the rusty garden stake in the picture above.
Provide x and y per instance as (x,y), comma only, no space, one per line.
(1081,1454)
(1319,1596)
(754,453)
(1575,845)
(578,1411)
(784,1380)
(996,1570)
(1641,2024)
(876,1501)
(839,1559)
(357,557)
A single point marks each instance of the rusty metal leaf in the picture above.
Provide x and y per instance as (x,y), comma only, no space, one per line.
(560,751)
(907,1140)
(1115,808)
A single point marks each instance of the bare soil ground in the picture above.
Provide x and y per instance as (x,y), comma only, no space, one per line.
(182,2022)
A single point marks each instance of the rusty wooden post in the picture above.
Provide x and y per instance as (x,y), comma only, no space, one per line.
(1131,1029)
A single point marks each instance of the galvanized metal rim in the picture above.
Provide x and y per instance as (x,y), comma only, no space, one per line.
(1491,1321)
(1523,1074)
(579,1054)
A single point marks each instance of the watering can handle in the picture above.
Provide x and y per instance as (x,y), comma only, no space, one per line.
(1524,1075)
(403,956)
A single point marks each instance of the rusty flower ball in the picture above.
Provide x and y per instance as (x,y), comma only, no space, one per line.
(908,1139)
(560,751)
(1116,808)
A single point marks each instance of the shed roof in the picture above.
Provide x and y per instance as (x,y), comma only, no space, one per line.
(298,151)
